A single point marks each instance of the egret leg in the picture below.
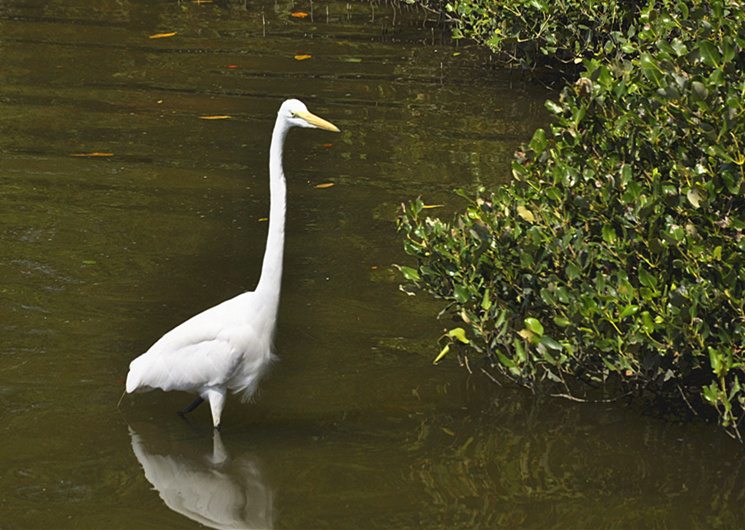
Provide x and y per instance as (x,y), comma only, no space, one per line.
(216,396)
(194,404)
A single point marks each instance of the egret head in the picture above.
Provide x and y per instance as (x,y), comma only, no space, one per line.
(296,114)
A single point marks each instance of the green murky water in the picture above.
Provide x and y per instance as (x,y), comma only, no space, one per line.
(100,255)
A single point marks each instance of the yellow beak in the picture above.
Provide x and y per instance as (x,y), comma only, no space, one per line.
(315,121)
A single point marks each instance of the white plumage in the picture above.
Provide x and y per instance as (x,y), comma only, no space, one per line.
(229,346)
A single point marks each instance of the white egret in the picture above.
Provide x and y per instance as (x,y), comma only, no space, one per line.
(229,346)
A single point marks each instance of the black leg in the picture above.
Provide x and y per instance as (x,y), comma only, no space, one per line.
(191,407)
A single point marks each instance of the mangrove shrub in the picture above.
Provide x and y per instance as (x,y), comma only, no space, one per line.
(617,252)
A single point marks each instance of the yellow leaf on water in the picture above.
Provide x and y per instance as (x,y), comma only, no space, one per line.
(526,214)
(214,117)
(92,154)
(427,206)
(162,35)
(326,185)
(299,15)
(302,57)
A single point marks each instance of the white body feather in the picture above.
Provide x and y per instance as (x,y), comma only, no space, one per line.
(229,346)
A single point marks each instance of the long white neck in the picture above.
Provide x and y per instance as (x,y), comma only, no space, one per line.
(270,281)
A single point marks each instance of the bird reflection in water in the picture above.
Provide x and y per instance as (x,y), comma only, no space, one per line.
(214,489)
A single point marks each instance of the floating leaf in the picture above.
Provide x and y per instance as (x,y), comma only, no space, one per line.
(233,66)
(428,206)
(299,15)
(163,35)
(325,185)
(92,154)
(302,57)
(222,117)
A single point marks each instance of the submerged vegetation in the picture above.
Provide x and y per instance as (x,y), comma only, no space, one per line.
(615,257)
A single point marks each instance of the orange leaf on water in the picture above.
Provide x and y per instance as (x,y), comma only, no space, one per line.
(327,145)
(92,154)
(232,66)
(326,185)
(302,57)
(214,117)
(161,35)
(299,15)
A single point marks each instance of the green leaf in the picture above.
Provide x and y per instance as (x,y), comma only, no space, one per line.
(700,90)
(461,294)
(520,353)
(609,234)
(572,271)
(562,295)
(711,393)
(629,310)
(647,323)
(647,279)
(709,53)
(442,354)
(534,326)
(554,193)
(679,47)
(409,273)
(538,143)
(547,297)
(509,363)
(554,108)
(459,334)
(551,343)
